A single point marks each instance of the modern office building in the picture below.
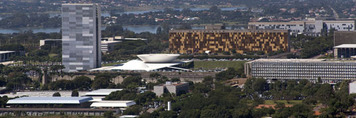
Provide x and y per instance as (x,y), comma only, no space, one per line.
(5,55)
(122,104)
(345,51)
(108,43)
(344,44)
(307,27)
(81,37)
(170,87)
(200,41)
(327,70)
(50,102)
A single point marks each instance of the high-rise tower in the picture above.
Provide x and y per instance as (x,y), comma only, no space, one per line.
(81,37)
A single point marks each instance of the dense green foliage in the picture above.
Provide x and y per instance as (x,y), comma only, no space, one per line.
(20,20)
(75,93)
(155,43)
(312,46)
(56,94)
(216,100)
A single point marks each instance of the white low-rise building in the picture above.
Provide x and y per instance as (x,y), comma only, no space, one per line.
(306,27)
(99,95)
(112,104)
(38,102)
(352,87)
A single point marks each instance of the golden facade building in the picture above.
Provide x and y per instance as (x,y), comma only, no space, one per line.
(199,41)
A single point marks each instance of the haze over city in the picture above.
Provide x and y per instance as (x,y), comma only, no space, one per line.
(178,58)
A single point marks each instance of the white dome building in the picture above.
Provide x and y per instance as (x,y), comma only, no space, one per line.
(149,62)
(158,58)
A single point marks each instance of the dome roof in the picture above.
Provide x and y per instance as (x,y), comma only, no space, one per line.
(158,58)
(134,64)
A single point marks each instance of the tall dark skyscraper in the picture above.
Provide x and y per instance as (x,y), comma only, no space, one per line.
(81,37)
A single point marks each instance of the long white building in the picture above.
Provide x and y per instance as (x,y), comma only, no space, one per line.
(307,27)
(327,70)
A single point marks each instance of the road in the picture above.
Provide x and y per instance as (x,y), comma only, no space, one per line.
(336,15)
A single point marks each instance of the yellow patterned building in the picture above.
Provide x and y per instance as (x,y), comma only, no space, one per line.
(199,41)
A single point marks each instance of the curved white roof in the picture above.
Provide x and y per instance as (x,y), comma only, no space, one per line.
(133,65)
(49,100)
(101,92)
(138,65)
(158,58)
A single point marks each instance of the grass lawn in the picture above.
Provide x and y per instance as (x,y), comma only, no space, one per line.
(271,102)
(218,64)
(52,55)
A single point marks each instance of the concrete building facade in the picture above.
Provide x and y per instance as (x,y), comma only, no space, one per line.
(170,87)
(345,51)
(242,41)
(81,37)
(5,55)
(310,69)
(344,37)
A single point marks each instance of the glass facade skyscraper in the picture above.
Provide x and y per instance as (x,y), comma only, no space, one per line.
(81,37)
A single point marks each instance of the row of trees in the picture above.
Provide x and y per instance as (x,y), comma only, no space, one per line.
(22,20)
(155,43)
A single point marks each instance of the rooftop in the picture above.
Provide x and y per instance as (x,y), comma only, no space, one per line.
(101,92)
(288,60)
(227,31)
(49,100)
(346,46)
(41,93)
(139,65)
(112,104)
(78,4)
(52,39)
(4,52)
(304,60)
(107,42)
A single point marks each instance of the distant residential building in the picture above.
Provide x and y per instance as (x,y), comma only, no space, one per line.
(170,87)
(51,42)
(242,41)
(307,27)
(312,69)
(108,43)
(81,37)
